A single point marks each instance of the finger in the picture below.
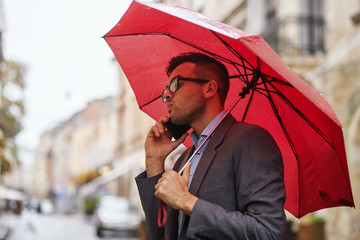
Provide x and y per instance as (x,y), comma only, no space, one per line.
(155,130)
(164,119)
(161,179)
(160,124)
(164,175)
(157,190)
(157,194)
(160,127)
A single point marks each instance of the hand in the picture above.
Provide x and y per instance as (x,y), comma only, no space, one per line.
(172,189)
(158,146)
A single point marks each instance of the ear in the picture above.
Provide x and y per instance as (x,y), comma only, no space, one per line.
(211,89)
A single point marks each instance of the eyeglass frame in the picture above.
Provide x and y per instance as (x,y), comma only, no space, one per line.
(177,79)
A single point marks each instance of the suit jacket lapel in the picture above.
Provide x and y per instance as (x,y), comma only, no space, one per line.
(209,153)
(183,158)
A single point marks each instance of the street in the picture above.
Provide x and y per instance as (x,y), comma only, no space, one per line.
(33,226)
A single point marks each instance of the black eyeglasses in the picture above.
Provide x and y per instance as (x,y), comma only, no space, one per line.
(174,85)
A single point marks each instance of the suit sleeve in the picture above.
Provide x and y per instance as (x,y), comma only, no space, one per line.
(260,190)
(150,204)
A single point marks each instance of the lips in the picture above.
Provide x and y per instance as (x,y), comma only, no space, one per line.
(169,104)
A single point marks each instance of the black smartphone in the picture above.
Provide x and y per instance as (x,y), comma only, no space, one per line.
(176,130)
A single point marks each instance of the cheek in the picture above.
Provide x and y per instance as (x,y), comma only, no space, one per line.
(193,102)
(190,98)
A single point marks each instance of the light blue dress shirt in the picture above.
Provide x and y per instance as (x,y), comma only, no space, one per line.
(197,142)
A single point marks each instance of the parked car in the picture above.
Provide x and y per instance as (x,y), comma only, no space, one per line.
(115,214)
(11,200)
(45,206)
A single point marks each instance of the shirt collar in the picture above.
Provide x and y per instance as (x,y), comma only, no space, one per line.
(197,141)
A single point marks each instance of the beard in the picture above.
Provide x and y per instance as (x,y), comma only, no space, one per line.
(187,114)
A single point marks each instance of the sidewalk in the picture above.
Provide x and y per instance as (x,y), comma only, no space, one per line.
(4,232)
(7,223)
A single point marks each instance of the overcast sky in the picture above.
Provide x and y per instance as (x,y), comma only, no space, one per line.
(67,62)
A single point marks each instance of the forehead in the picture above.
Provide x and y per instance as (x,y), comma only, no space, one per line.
(186,69)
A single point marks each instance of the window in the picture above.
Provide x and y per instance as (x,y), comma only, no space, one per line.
(312,26)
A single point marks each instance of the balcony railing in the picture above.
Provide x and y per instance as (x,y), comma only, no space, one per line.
(303,35)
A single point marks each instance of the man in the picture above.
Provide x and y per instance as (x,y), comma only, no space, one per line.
(233,188)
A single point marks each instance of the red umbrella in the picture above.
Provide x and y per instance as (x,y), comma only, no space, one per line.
(272,96)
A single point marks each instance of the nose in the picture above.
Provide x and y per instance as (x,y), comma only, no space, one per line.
(166,95)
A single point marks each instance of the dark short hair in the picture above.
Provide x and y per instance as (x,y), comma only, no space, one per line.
(201,59)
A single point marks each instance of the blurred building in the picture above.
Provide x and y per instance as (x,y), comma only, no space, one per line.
(337,76)
(75,152)
(132,128)
(11,113)
(2,28)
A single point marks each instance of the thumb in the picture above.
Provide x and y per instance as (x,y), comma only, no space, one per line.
(186,172)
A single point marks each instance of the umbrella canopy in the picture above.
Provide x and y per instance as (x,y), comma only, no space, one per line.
(272,96)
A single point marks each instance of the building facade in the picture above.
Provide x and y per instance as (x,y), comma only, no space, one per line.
(337,76)
(75,152)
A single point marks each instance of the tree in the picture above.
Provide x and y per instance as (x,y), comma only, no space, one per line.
(11,112)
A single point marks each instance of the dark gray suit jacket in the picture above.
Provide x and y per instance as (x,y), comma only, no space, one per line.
(239,182)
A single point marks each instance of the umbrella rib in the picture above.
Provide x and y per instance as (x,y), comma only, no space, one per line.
(243,77)
(232,49)
(307,120)
(272,104)
(245,72)
(261,90)
(277,80)
(282,125)
(144,105)
(289,103)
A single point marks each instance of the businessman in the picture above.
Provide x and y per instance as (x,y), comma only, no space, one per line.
(234,187)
